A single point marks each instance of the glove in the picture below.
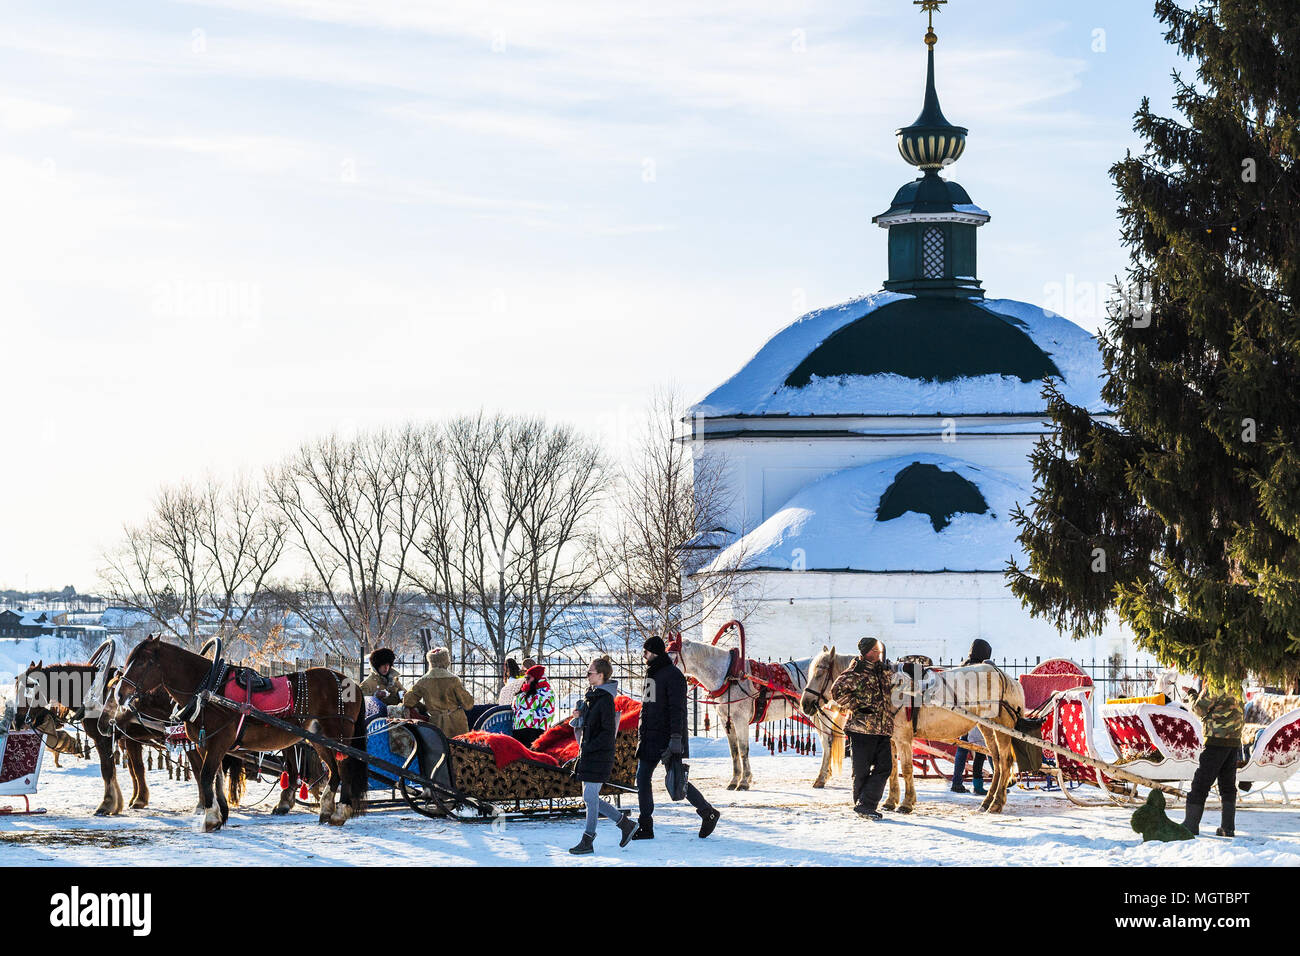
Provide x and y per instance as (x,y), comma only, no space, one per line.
(674,746)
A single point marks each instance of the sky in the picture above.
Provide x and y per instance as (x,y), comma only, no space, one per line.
(227,226)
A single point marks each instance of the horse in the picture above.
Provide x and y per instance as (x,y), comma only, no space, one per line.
(59,695)
(976,688)
(738,698)
(325,702)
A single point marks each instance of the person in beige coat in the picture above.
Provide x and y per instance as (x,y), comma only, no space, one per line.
(441,693)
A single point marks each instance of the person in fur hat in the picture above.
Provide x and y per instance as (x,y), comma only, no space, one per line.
(441,694)
(383,682)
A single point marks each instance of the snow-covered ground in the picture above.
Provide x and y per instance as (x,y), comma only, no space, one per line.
(781,821)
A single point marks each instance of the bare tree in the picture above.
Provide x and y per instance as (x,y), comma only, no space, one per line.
(199,563)
(556,480)
(354,507)
(511,502)
(664,553)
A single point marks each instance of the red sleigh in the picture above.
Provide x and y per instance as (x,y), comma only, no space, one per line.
(21,753)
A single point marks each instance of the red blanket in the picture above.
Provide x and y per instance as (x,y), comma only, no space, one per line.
(555,747)
(560,742)
(506,749)
(274,701)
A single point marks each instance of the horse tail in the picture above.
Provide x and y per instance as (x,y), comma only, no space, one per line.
(236,779)
(837,749)
(355,773)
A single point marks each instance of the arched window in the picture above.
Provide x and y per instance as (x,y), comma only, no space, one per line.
(932,253)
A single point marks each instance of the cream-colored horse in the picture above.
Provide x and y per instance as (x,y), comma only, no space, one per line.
(735,703)
(981,689)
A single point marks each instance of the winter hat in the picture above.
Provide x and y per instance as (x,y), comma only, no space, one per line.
(866,644)
(438,657)
(655,645)
(381,656)
(980,651)
(534,675)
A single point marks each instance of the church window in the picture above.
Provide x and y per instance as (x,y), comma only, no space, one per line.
(932,253)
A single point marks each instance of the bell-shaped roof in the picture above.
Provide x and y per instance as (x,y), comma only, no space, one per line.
(912,513)
(896,354)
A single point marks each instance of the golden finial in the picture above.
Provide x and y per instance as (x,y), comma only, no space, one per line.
(930,7)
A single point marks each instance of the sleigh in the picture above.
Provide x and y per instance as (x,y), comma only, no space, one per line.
(1155,745)
(21,754)
(486,771)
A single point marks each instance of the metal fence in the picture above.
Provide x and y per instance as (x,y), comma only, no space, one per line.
(568,678)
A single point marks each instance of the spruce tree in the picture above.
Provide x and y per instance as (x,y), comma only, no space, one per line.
(1184,515)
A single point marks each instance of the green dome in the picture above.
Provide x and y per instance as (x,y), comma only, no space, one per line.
(930,194)
(931,339)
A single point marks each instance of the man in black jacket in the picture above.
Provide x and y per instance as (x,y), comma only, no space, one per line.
(980,652)
(663,733)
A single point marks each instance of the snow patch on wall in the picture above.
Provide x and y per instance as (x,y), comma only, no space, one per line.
(831,525)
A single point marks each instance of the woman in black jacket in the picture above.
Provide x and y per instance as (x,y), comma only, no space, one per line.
(596,721)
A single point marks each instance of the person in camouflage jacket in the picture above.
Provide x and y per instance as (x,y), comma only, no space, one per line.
(865,690)
(1223,716)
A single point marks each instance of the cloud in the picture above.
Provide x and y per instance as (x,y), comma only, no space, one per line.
(18,113)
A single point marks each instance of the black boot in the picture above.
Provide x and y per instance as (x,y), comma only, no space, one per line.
(645,830)
(1193,819)
(709,820)
(626,826)
(584,845)
(1227,825)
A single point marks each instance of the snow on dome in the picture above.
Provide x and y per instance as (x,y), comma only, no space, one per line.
(896,354)
(882,517)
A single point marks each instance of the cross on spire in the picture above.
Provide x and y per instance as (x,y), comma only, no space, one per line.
(930,8)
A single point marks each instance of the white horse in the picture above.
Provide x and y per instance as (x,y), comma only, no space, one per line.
(981,689)
(736,700)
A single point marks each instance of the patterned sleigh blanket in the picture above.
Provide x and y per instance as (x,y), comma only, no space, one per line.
(555,747)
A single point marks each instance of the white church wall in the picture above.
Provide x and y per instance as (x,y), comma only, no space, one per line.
(763,474)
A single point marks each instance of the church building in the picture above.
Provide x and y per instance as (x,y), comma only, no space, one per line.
(873,451)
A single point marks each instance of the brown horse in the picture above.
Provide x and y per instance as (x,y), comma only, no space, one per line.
(981,689)
(326,702)
(59,695)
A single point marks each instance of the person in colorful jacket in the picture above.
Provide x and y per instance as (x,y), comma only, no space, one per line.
(1223,715)
(865,691)
(534,706)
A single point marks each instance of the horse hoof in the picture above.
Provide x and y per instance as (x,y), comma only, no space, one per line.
(819,784)
(732,785)
(904,809)
(279,811)
(889,806)
(742,786)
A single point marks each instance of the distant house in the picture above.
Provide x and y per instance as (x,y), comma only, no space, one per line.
(26,624)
